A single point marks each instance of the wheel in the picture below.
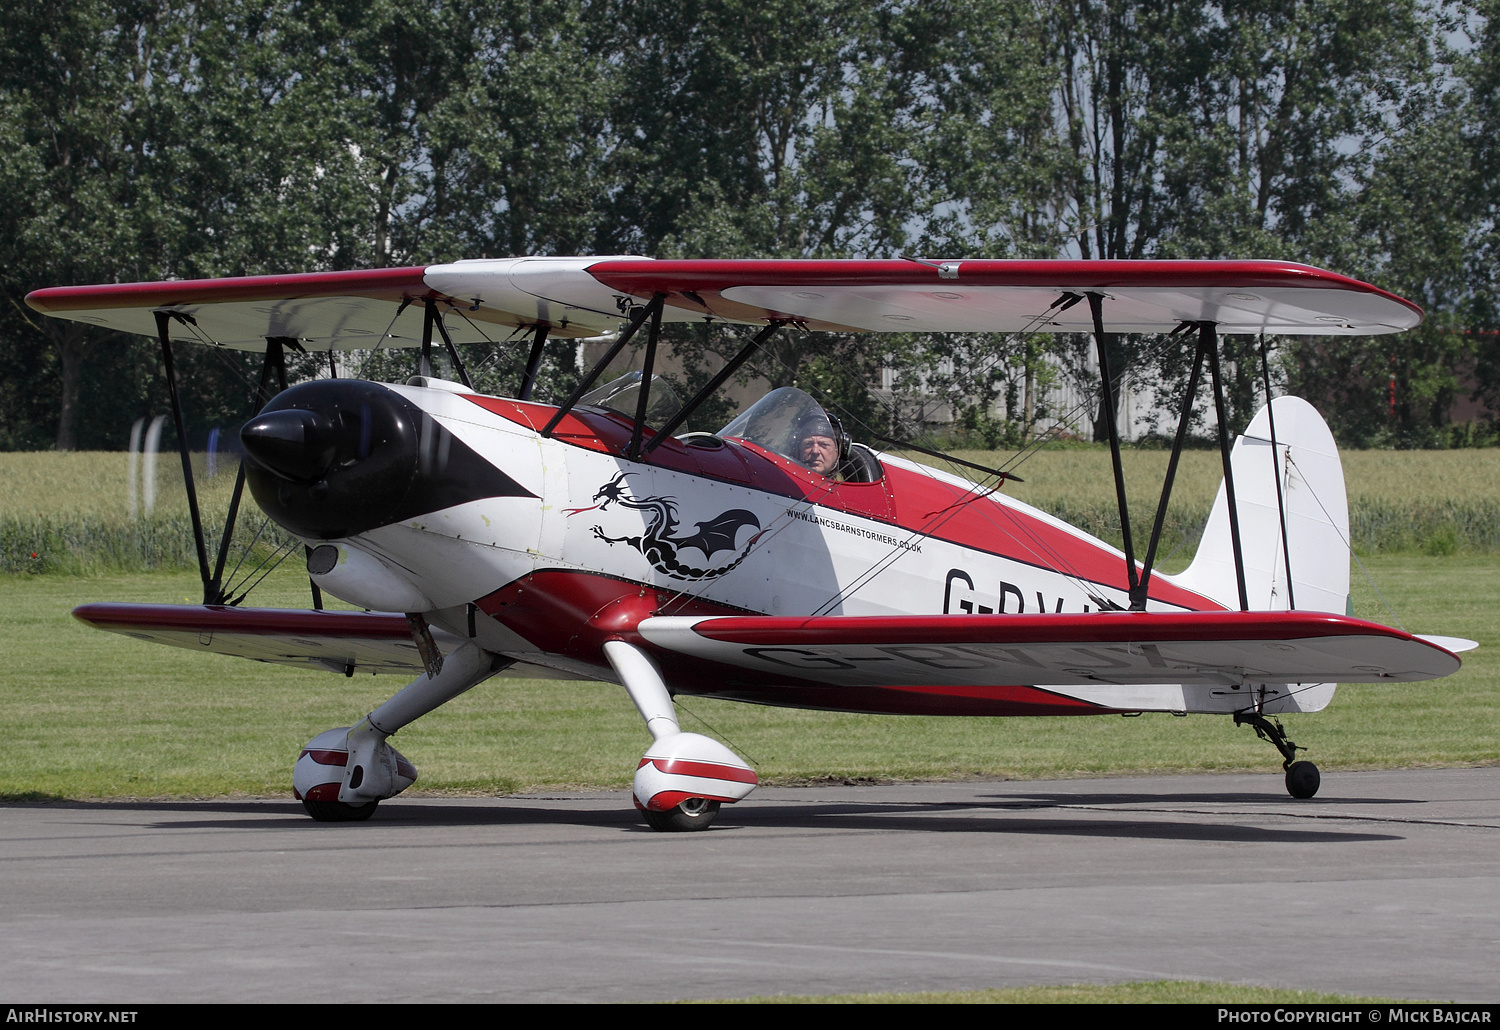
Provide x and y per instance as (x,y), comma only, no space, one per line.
(1302,779)
(339,811)
(692,814)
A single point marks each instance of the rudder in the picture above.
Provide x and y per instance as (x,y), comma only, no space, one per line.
(1317,518)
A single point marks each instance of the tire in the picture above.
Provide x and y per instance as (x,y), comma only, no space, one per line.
(692,814)
(339,811)
(1302,780)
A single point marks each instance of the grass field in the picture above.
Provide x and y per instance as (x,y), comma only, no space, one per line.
(92,714)
(1156,992)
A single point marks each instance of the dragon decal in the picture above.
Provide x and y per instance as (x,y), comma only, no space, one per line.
(661,544)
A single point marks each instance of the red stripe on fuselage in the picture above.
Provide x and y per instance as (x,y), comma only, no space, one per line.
(905,499)
(958,515)
(572,614)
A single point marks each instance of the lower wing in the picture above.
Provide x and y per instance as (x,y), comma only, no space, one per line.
(1137,661)
(347,642)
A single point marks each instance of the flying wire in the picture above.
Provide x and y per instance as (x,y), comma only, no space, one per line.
(1047,555)
(246,553)
(734,746)
(1368,578)
(285,550)
(219,350)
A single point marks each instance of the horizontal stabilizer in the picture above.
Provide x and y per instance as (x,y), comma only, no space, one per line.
(1458,645)
(372,642)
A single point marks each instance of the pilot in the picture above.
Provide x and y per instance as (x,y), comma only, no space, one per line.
(820,442)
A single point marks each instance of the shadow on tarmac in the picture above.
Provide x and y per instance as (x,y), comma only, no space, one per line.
(1002,815)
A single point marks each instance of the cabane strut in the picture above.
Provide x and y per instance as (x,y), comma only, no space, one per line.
(1207,349)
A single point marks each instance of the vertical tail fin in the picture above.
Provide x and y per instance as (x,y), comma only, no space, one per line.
(1317,518)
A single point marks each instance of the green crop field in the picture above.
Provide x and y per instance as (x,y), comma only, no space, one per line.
(1424,502)
(70,513)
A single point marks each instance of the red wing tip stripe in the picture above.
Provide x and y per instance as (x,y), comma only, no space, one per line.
(1099,627)
(705,770)
(183,292)
(254,621)
(724,274)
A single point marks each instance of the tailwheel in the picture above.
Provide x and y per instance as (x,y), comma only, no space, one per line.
(1302,778)
(692,814)
(339,811)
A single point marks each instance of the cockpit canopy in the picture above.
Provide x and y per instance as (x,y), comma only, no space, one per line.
(785,418)
(622,395)
(778,421)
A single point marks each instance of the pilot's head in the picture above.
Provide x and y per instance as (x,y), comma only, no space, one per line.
(820,442)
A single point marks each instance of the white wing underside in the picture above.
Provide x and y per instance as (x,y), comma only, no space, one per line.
(502,299)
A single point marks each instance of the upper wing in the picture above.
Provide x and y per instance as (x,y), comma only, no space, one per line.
(490,299)
(1021,296)
(360,310)
(378,642)
(1116,648)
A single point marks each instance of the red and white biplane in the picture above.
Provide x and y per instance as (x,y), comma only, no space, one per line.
(499,536)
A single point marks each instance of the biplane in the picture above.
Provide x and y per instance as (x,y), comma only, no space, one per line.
(774,561)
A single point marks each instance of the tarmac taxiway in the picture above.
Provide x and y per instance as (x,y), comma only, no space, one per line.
(1386,884)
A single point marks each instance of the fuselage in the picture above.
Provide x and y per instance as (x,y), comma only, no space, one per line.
(544,548)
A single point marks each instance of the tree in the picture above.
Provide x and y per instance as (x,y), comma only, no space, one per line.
(1255,130)
(86,93)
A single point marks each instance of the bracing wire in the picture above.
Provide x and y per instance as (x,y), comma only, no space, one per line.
(286,551)
(1039,548)
(733,745)
(245,554)
(1368,578)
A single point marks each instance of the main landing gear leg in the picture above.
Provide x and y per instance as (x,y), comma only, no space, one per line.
(684,777)
(1302,778)
(342,774)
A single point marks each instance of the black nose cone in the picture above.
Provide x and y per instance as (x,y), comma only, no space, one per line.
(295,444)
(335,457)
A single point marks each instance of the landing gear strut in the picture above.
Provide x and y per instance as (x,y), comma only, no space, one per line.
(344,773)
(683,777)
(1302,778)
